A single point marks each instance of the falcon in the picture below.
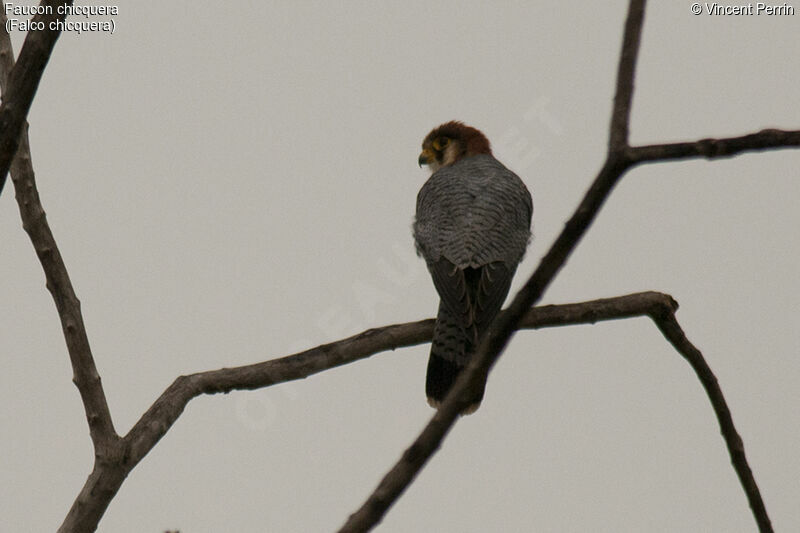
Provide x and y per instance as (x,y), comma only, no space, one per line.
(472,226)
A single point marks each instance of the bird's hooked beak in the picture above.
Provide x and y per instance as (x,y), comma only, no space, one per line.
(425,157)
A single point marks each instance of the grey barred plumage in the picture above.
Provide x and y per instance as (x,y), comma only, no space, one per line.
(472,227)
(473,212)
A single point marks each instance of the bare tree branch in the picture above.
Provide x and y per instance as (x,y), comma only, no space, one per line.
(85,373)
(671,329)
(163,413)
(661,309)
(106,443)
(116,457)
(715,148)
(618,161)
(20,85)
(491,347)
(106,478)
(623,98)
(34,221)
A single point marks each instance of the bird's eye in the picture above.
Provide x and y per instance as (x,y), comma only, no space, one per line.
(440,143)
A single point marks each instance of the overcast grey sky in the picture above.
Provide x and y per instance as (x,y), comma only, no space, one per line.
(235,182)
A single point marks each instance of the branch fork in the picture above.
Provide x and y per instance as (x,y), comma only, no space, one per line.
(116,456)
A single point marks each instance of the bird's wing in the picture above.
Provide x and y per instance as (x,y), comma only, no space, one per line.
(490,291)
(455,293)
(472,296)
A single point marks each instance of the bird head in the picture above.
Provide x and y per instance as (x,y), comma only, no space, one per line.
(450,142)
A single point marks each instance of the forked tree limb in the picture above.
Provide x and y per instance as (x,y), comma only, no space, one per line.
(106,479)
(116,457)
(658,307)
(163,413)
(618,161)
(18,84)
(395,482)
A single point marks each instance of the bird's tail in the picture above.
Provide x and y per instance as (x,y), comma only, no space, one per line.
(451,349)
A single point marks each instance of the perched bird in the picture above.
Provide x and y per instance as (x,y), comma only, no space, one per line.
(472,227)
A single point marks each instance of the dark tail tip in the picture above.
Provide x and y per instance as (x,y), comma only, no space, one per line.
(441,376)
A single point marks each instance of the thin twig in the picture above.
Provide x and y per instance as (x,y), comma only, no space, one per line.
(715,148)
(23,80)
(671,329)
(623,98)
